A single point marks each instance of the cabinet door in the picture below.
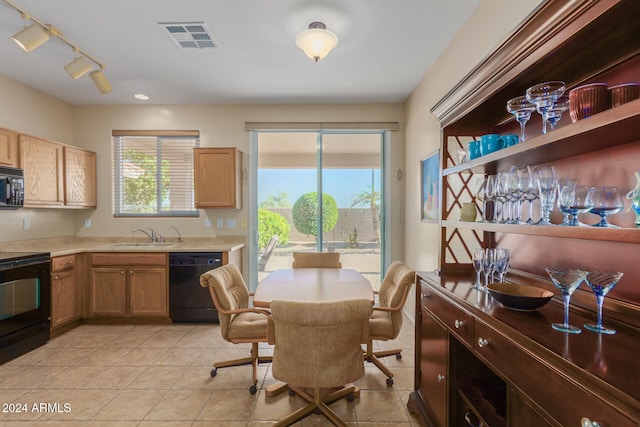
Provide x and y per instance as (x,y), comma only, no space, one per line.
(63,298)
(8,148)
(521,414)
(217,182)
(43,171)
(108,291)
(80,177)
(433,367)
(148,291)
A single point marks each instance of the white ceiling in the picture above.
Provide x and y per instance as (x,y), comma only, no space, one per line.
(385,48)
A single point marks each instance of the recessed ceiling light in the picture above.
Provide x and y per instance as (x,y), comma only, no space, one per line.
(141,96)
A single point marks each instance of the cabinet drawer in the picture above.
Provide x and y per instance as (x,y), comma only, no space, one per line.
(134,258)
(63,263)
(542,384)
(459,322)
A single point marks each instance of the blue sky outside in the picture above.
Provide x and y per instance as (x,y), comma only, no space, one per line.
(342,184)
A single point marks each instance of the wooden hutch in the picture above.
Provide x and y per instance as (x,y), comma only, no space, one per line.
(479,363)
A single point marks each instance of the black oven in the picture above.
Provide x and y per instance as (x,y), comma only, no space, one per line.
(25,302)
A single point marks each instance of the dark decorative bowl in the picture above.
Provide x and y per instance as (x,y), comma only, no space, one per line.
(519,297)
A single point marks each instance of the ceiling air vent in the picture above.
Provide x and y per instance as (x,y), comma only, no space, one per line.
(189,35)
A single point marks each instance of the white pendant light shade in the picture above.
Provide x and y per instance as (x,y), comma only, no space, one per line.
(100,81)
(31,37)
(317,41)
(78,67)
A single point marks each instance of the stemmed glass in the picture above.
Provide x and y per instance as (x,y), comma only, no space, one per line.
(530,188)
(481,194)
(554,114)
(580,205)
(566,198)
(601,283)
(488,266)
(522,109)
(490,196)
(516,193)
(503,262)
(567,281)
(606,201)
(502,196)
(547,189)
(544,96)
(477,257)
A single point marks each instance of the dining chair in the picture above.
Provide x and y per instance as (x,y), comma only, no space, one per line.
(239,323)
(316,260)
(318,346)
(386,321)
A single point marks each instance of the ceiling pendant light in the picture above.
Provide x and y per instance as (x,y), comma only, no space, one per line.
(317,41)
(78,67)
(30,37)
(100,81)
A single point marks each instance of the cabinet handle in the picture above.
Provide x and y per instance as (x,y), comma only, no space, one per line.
(425,296)
(121,272)
(458,323)
(586,422)
(67,262)
(130,271)
(55,277)
(471,419)
(441,378)
(482,342)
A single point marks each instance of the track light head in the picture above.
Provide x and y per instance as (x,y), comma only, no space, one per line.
(78,67)
(31,37)
(100,81)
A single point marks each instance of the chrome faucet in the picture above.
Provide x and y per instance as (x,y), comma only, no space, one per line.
(151,235)
(179,235)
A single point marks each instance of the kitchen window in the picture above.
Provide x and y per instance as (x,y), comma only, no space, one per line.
(153,173)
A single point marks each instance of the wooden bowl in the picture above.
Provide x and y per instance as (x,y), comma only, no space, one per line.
(587,100)
(624,93)
(519,297)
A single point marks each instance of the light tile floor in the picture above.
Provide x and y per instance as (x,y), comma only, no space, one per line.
(158,375)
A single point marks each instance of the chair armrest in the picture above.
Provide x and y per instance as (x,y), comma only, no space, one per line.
(378,308)
(246,310)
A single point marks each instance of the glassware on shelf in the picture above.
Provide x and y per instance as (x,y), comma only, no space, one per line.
(481,195)
(477,258)
(488,266)
(580,205)
(601,283)
(530,188)
(491,196)
(634,196)
(554,114)
(502,196)
(503,262)
(522,109)
(566,198)
(547,191)
(544,96)
(605,201)
(567,281)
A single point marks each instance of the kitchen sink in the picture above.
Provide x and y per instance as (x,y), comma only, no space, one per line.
(150,244)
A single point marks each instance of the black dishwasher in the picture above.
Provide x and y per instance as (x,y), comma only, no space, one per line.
(188,301)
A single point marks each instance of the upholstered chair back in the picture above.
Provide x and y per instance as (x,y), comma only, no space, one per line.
(318,345)
(393,292)
(316,260)
(228,292)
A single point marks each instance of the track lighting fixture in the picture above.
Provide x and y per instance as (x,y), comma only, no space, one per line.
(38,33)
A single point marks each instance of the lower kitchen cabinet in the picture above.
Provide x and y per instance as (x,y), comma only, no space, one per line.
(65,293)
(434,340)
(129,285)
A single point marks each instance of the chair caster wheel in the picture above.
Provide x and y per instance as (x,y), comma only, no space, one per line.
(350,397)
(389,382)
(253,389)
(398,356)
(214,372)
(291,392)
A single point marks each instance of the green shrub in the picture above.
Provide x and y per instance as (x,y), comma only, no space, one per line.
(270,224)
(305,213)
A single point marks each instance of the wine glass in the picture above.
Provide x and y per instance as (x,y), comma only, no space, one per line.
(567,281)
(544,96)
(580,205)
(488,266)
(481,194)
(566,198)
(477,257)
(606,201)
(554,114)
(516,191)
(547,190)
(522,109)
(530,188)
(601,283)
(503,262)
(502,196)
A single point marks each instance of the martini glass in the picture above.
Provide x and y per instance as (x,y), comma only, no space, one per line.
(606,201)
(544,96)
(601,283)
(554,114)
(522,109)
(567,281)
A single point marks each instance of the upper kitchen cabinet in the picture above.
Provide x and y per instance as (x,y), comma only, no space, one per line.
(42,162)
(8,148)
(80,178)
(217,178)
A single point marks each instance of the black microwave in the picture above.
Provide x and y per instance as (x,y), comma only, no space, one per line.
(11,188)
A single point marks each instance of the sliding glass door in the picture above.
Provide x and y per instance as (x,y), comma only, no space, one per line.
(320,191)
